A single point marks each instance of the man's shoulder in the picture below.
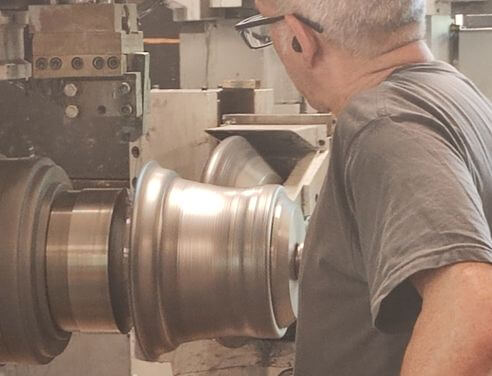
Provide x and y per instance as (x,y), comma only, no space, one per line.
(408,93)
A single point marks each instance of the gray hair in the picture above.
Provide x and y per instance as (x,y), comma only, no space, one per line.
(363,27)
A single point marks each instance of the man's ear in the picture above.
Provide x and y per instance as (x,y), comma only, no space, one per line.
(306,38)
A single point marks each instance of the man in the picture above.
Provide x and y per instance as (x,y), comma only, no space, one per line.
(396,275)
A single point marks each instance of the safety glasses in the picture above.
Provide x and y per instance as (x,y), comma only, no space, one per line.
(255,30)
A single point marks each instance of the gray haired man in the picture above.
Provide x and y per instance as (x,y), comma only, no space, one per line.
(396,277)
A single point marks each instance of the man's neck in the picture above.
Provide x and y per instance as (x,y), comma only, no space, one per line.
(350,76)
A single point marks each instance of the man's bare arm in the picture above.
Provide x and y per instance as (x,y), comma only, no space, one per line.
(453,334)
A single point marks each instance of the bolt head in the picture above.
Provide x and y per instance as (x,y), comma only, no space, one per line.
(71,111)
(41,63)
(70,90)
(77,63)
(125,88)
(113,62)
(56,63)
(98,62)
(126,110)
(136,151)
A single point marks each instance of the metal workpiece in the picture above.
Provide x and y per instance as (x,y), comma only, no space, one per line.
(288,233)
(235,163)
(28,333)
(12,54)
(296,147)
(205,261)
(210,261)
(87,263)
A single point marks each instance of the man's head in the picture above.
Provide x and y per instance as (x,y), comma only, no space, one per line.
(357,30)
(363,27)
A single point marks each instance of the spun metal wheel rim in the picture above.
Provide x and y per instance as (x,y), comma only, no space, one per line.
(235,163)
(189,237)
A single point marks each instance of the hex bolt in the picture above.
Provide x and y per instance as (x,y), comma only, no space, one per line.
(70,90)
(136,152)
(125,88)
(126,110)
(56,63)
(77,63)
(98,62)
(113,62)
(42,63)
(71,111)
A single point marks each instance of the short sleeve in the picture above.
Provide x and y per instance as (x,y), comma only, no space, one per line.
(415,206)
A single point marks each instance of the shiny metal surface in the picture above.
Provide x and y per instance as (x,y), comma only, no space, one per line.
(27,189)
(204,263)
(235,163)
(279,119)
(86,261)
(288,233)
(226,167)
(63,260)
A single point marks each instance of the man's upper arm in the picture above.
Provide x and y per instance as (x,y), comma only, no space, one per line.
(416,208)
(453,334)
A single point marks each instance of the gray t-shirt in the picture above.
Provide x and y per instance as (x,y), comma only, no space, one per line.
(409,188)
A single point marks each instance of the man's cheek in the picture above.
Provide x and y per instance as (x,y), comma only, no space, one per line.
(279,49)
(279,41)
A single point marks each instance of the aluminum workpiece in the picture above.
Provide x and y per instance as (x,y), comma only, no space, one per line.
(185,261)
(235,163)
